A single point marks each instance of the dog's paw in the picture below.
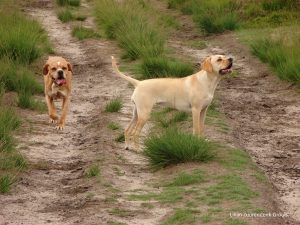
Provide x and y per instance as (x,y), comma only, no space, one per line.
(52,121)
(59,127)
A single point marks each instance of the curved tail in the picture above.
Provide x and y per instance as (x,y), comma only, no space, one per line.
(115,67)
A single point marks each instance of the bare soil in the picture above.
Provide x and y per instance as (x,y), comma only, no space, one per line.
(262,111)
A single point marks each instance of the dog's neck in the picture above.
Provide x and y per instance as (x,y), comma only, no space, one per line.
(212,78)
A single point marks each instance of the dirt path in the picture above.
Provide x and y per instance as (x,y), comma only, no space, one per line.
(263,113)
(55,190)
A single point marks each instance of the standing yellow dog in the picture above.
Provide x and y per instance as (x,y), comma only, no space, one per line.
(57,78)
(193,93)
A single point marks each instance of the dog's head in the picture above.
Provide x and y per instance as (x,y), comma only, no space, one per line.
(218,64)
(58,69)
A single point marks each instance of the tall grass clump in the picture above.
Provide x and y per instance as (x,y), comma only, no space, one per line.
(216,16)
(68,2)
(139,35)
(65,15)
(9,122)
(164,67)
(22,39)
(173,146)
(282,57)
(5,183)
(82,33)
(114,105)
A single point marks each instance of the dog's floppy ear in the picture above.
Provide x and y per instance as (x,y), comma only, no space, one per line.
(70,68)
(46,69)
(206,65)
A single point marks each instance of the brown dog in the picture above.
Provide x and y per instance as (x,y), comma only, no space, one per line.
(57,77)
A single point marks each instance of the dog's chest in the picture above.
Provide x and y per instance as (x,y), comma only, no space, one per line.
(57,91)
(207,100)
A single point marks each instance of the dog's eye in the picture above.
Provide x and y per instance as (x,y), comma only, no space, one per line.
(64,68)
(219,60)
(53,68)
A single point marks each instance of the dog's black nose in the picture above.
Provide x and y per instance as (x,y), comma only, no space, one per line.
(60,74)
(230,59)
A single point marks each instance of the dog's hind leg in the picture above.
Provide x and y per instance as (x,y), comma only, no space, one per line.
(142,119)
(128,130)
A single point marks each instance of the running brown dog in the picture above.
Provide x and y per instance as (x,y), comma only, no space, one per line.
(57,78)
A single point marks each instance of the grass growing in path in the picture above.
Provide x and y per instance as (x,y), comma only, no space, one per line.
(92,171)
(173,146)
(68,2)
(180,216)
(5,183)
(184,179)
(115,105)
(82,33)
(65,15)
(140,36)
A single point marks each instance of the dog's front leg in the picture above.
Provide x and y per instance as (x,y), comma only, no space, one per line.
(202,119)
(65,108)
(51,109)
(196,120)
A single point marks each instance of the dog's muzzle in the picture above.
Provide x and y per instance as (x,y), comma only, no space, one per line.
(227,69)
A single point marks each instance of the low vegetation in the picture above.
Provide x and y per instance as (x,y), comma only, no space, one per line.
(139,36)
(215,16)
(173,146)
(68,2)
(23,41)
(283,57)
(92,171)
(82,33)
(114,105)
(65,15)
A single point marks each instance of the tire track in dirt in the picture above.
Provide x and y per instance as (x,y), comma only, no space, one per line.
(54,190)
(264,114)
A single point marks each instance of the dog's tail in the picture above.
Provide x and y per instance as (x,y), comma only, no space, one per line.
(115,67)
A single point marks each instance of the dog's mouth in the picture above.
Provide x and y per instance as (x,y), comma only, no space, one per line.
(60,82)
(226,70)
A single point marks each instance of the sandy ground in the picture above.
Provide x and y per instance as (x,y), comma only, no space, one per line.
(262,111)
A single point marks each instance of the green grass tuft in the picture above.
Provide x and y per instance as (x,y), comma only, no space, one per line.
(9,122)
(115,105)
(68,2)
(174,147)
(81,33)
(120,138)
(22,39)
(283,58)
(184,179)
(5,183)
(163,67)
(65,15)
(92,171)
(231,221)
(180,216)
(113,126)
(231,187)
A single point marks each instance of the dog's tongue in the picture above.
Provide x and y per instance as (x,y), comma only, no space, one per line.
(61,81)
